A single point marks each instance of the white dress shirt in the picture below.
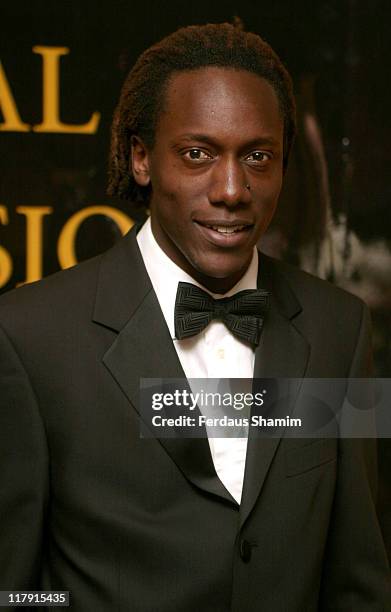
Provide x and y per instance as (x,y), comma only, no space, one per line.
(214,353)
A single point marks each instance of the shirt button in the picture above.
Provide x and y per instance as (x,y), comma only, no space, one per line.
(220,353)
(245,551)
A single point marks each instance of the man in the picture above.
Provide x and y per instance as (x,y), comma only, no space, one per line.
(202,135)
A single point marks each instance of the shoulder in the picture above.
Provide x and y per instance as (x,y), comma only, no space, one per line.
(335,323)
(60,286)
(57,295)
(62,306)
(70,294)
(311,292)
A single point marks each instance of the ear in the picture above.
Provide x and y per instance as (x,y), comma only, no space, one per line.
(139,161)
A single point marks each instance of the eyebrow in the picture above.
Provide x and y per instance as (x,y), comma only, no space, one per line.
(260,140)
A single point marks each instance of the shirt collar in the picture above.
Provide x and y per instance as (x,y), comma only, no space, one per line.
(165,274)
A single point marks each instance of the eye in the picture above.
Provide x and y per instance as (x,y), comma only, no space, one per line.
(196,155)
(258,158)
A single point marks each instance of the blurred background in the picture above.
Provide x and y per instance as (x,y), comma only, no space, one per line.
(62,66)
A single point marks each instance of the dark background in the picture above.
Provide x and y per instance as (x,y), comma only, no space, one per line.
(334,217)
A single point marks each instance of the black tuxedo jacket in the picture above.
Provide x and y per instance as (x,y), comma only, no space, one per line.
(145,525)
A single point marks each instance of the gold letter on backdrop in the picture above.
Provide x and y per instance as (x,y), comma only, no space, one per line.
(66,241)
(34,215)
(51,121)
(12,120)
(5,257)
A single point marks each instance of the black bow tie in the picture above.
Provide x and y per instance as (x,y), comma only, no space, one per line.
(243,313)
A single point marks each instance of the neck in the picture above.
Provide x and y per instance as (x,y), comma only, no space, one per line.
(216,285)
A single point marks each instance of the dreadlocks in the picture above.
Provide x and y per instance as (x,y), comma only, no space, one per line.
(190,48)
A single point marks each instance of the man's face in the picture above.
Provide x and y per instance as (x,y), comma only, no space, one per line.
(215,171)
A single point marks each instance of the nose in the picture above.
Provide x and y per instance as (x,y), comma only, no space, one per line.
(229,185)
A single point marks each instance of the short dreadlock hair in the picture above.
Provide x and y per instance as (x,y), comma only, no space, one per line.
(188,48)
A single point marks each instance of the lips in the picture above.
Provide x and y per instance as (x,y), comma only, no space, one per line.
(224,223)
(225,233)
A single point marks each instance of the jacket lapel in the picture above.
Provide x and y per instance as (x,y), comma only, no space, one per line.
(127,304)
(282,353)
